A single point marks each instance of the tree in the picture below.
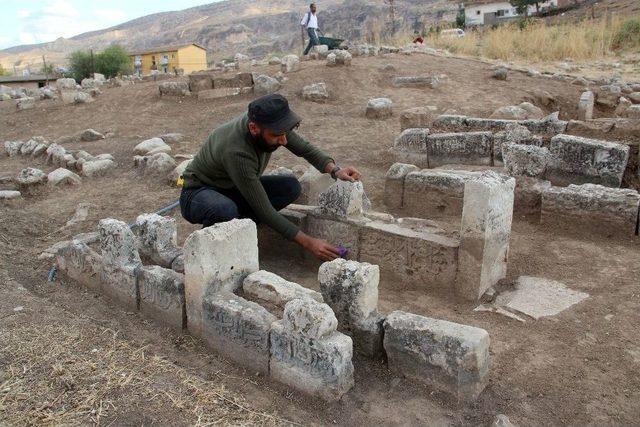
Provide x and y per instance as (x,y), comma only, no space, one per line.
(522,6)
(112,61)
(80,64)
(3,72)
(461,18)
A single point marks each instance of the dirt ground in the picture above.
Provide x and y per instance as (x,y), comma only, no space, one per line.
(69,356)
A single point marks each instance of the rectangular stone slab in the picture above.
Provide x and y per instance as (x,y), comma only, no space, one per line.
(470,148)
(602,210)
(80,263)
(448,356)
(162,296)
(432,193)
(238,329)
(320,367)
(581,160)
(430,260)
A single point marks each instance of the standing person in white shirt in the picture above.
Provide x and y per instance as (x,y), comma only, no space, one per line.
(310,20)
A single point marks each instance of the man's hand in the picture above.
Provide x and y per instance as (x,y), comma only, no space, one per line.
(319,248)
(348,174)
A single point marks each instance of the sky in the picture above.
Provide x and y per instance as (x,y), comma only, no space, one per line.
(38,21)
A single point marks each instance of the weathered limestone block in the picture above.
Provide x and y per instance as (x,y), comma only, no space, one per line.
(80,263)
(316,92)
(350,288)
(29,180)
(411,147)
(82,98)
(308,354)
(162,296)
(290,63)
(527,160)
(528,196)
(118,245)
(61,177)
(90,135)
(120,284)
(66,84)
(274,289)
(9,195)
(97,167)
(216,259)
(223,92)
(146,146)
(550,124)
(55,155)
(610,211)
(432,192)
(585,106)
(27,103)
(417,81)
(12,148)
(394,184)
(429,259)
(39,150)
(157,238)
(174,88)
(448,356)
(419,117)
(172,138)
(471,148)
(580,160)
(158,164)
(266,85)
(484,235)
(238,329)
(322,50)
(343,199)
(513,134)
(379,108)
(28,147)
(500,73)
(239,80)
(313,183)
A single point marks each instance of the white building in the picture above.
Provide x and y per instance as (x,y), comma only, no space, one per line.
(485,12)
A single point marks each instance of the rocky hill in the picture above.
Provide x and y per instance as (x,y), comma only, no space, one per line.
(255,28)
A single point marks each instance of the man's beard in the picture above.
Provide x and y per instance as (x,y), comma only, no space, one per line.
(264,146)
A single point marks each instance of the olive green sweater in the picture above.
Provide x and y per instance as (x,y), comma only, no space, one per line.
(230,158)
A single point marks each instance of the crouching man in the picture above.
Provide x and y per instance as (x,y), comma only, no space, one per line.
(224,181)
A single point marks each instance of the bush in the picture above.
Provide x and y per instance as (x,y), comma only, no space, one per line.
(3,72)
(80,64)
(113,61)
(628,36)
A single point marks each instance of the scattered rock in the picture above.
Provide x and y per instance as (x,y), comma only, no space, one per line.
(290,63)
(174,88)
(30,177)
(97,167)
(62,176)
(80,215)
(172,138)
(510,112)
(275,60)
(160,163)
(26,103)
(82,98)
(500,73)
(146,146)
(9,194)
(90,135)
(265,85)
(316,92)
(379,108)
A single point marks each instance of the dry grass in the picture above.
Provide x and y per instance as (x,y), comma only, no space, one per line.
(590,39)
(104,381)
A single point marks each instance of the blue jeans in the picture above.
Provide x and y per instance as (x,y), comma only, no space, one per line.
(209,205)
(313,40)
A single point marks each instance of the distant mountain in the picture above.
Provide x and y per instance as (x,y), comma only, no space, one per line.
(253,27)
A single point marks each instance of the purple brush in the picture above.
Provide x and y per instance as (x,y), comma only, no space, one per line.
(343,251)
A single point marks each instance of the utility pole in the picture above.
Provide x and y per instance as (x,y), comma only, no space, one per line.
(392,15)
(46,71)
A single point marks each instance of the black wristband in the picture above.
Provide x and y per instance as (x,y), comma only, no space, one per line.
(334,171)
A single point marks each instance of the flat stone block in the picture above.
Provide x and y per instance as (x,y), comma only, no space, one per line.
(595,207)
(528,196)
(419,117)
(268,238)
(471,148)
(343,199)
(120,284)
(219,93)
(430,260)
(157,238)
(217,258)
(118,244)
(448,356)
(238,329)
(80,263)
(412,140)
(580,160)
(394,184)
(485,232)
(162,296)
(270,287)
(320,367)
(527,160)
(336,232)
(429,193)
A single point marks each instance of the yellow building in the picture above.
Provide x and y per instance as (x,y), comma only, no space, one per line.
(188,57)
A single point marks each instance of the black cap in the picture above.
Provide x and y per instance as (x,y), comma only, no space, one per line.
(273,112)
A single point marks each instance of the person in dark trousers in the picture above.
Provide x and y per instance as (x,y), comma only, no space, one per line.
(310,21)
(224,181)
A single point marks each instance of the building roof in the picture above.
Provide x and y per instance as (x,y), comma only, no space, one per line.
(29,78)
(167,48)
(481,2)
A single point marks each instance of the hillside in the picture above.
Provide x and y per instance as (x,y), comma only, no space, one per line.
(241,25)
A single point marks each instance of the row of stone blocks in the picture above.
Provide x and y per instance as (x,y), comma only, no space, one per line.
(297,341)
(568,160)
(432,193)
